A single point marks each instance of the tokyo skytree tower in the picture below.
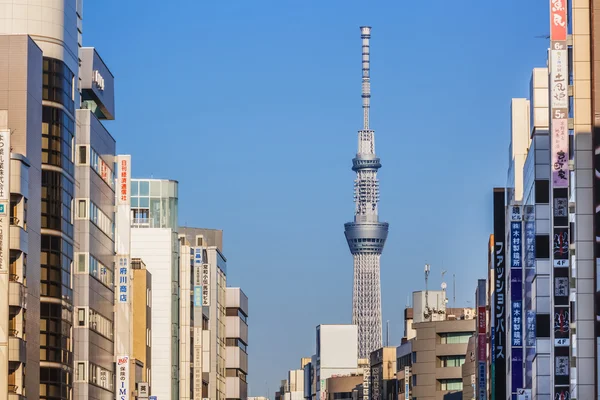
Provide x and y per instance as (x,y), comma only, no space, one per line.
(366,235)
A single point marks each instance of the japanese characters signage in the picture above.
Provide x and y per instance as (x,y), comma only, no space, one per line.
(558,20)
(143,390)
(123,180)
(4,199)
(517,325)
(205,285)
(197,362)
(530,329)
(366,383)
(499,306)
(198,277)
(481,383)
(123,279)
(560,148)
(516,297)
(561,327)
(4,164)
(123,378)
(406,383)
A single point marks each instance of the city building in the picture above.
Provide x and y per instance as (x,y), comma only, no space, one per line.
(336,354)
(141,328)
(154,239)
(292,388)
(20,231)
(432,360)
(469,371)
(94,223)
(345,387)
(366,235)
(384,383)
(236,327)
(209,305)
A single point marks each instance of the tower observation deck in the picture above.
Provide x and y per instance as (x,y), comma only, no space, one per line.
(366,236)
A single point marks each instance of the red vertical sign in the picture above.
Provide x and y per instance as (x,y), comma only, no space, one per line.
(558,20)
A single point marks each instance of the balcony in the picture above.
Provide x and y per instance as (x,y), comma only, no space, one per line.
(16,349)
(18,238)
(16,293)
(14,393)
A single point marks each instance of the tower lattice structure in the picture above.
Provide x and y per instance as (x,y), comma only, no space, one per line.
(366,236)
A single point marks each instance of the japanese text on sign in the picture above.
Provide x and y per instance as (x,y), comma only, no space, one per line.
(123,279)
(500,303)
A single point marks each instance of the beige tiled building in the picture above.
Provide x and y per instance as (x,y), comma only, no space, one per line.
(439,351)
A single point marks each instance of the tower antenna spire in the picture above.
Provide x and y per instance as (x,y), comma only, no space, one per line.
(365,34)
(366,236)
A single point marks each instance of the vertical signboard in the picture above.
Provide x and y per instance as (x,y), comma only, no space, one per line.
(559,143)
(205,284)
(481,383)
(529,265)
(516,298)
(4,253)
(123,378)
(499,306)
(197,363)
(123,311)
(367,382)
(198,277)
(407,383)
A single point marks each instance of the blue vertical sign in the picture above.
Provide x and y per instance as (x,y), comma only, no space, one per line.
(197,279)
(516,298)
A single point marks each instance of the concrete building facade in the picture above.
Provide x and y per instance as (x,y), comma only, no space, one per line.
(141,326)
(236,326)
(94,275)
(21,120)
(154,239)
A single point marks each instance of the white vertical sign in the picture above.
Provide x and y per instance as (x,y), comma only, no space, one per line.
(406,382)
(197,362)
(205,285)
(123,378)
(4,255)
(123,310)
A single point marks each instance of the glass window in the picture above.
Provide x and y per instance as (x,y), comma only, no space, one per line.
(135,201)
(134,188)
(451,361)
(144,202)
(80,371)
(451,384)
(455,337)
(82,209)
(82,155)
(144,188)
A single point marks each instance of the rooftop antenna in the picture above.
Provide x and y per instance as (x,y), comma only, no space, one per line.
(387,340)
(454,290)
(427,270)
(444,298)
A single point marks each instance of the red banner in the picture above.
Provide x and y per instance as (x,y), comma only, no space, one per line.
(481,348)
(481,320)
(558,20)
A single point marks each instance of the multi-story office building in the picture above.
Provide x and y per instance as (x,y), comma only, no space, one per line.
(20,124)
(434,356)
(154,239)
(44,80)
(141,325)
(209,311)
(94,272)
(236,326)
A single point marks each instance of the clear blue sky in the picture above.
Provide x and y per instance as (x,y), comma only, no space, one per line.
(253,106)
